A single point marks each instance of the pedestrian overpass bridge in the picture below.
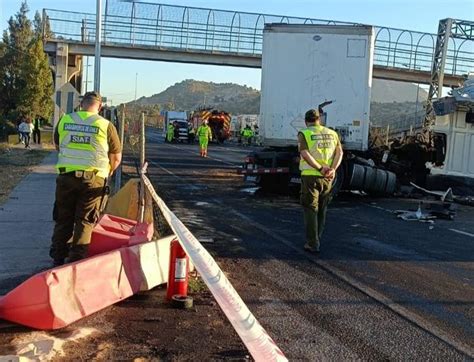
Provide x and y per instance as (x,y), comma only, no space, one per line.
(148,31)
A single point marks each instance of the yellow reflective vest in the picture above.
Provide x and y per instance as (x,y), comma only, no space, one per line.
(204,131)
(322,143)
(83,143)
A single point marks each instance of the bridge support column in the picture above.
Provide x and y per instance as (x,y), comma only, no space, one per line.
(67,80)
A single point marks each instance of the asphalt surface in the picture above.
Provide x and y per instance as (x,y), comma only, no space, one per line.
(382,288)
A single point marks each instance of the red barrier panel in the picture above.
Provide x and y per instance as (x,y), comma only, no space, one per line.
(114,232)
(60,296)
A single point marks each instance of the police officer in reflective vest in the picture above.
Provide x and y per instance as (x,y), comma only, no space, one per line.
(89,152)
(320,156)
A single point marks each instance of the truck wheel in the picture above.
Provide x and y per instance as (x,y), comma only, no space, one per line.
(356,177)
(391,183)
(380,183)
(369,179)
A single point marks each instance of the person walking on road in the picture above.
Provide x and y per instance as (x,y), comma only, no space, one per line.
(89,152)
(170,133)
(320,156)
(205,135)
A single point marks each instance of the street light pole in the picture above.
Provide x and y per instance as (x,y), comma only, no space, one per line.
(98,38)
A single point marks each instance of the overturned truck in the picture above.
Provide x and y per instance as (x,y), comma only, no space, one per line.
(329,67)
(304,66)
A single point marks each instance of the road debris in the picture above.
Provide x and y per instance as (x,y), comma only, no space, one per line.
(433,210)
(446,196)
(417,215)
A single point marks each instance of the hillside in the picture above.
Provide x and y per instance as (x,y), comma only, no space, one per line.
(390,99)
(388,91)
(191,94)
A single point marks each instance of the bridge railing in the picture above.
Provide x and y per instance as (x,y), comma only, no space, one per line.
(208,30)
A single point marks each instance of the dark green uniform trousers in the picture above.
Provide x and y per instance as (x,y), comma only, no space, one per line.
(76,210)
(315,197)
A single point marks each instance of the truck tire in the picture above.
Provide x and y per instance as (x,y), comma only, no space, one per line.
(380,184)
(391,183)
(369,179)
(356,177)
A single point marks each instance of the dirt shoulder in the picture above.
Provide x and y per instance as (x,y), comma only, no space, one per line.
(16,163)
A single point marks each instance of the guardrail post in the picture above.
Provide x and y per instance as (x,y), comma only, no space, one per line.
(118,174)
(142,163)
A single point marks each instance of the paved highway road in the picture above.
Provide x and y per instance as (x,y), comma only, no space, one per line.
(382,288)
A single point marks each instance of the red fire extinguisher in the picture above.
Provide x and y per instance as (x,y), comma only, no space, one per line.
(179,270)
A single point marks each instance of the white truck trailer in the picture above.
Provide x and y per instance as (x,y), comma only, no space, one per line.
(303,67)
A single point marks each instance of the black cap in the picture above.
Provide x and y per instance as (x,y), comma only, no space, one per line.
(311,116)
(92,96)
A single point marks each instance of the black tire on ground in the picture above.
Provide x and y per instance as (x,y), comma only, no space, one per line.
(355,177)
(391,183)
(369,179)
(380,182)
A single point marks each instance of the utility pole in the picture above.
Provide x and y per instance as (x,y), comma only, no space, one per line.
(98,39)
(118,173)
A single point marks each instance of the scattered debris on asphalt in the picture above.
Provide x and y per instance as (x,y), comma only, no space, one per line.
(446,196)
(428,211)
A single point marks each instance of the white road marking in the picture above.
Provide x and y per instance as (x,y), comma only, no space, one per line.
(462,232)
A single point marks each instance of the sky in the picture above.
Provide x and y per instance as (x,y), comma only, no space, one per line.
(118,76)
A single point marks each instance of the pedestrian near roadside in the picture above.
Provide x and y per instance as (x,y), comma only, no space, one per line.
(205,135)
(37,130)
(320,156)
(89,152)
(20,133)
(26,129)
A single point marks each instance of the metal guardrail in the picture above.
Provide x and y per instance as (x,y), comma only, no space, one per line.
(136,23)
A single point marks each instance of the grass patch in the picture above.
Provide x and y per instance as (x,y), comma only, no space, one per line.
(15,163)
(196,284)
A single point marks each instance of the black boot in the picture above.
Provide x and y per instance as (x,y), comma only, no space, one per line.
(77,252)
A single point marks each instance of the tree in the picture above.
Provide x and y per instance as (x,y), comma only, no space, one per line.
(36,97)
(25,78)
(42,27)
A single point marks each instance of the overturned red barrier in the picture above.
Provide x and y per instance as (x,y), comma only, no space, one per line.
(114,232)
(58,297)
